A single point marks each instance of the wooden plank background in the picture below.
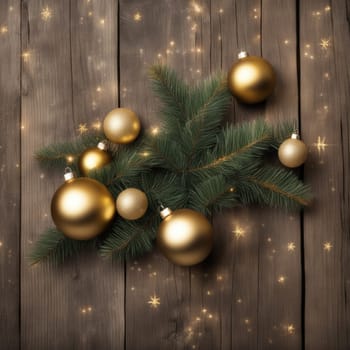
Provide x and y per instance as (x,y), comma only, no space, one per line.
(66,63)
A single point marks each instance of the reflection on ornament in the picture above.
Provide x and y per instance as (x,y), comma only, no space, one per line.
(121,125)
(251,79)
(184,236)
(132,204)
(82,208)
(94,158)
(292,152)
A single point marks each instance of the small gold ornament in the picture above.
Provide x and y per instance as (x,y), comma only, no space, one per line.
(185,236)
(121,125)
(94,158)
(292,152)
(132,204)
(82,208)
(251,79)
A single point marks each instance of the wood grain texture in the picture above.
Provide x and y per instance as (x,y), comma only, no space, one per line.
(62,71)
(165,327)
(324,116)
(81,304)
(280,269)
(10,85)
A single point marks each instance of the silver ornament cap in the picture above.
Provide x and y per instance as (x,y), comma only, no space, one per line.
(165,212)
(68,174)
(242,54)
(102,146)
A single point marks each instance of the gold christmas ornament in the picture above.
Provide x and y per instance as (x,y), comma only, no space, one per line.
(82,208)
(292,152)
(121,125)
(251,79)
(185,236)
(94,158)
(132,204)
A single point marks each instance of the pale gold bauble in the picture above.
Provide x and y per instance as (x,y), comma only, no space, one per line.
(132,204)
(292,152)
(94,158)
(251,79)
(185,236)
(82,208)
(121,125)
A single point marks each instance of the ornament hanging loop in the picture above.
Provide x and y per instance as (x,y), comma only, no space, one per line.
(102,145)
(242,54)
(68,174)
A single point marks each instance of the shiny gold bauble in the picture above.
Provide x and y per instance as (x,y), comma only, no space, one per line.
(82,208)
(121,125)
(184,236)
(251,79)
(292,152)
(132,204)
(94,158)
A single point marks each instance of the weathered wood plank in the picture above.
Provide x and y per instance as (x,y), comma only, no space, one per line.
(253,263)
(280,270)
(10,65)
(324,51)
(235,271)
(171,33)
(70,55)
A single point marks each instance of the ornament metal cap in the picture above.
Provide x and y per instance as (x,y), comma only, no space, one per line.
(165,212)
(242,54)
(102,146)
(295,136)
(68,174)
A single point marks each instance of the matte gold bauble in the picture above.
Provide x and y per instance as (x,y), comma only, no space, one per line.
(292,152)
(82,208)
(251,79)
(94,158)
(132,204)
(121,125)
(184,236)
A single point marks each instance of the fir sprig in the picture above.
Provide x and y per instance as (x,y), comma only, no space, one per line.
(194,161)
(55,247)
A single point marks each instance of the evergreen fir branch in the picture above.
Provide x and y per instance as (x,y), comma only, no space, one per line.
(128,239)
(213,195)
(54,247)
(173,93)
(127,163)
(166,152)
(60,154)
(166,188)
(236,147)
(274,187)
(280,132)
(210,102)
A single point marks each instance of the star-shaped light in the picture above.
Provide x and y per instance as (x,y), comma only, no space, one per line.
(96,125)
(327,246)
(290,328)
(281,279)
(325,43)
(82,128)
(46,13)
(3,29)
(26,56)
(196,7)
(137,17)
(238,232)
(154,301)
(321,144)
(291,246)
